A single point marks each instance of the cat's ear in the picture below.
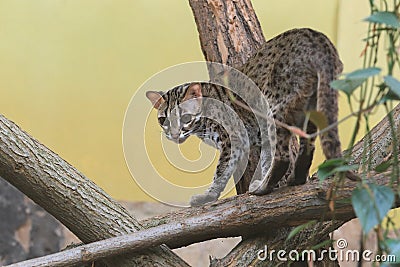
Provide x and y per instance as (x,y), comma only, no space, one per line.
(155,98)
(194,91)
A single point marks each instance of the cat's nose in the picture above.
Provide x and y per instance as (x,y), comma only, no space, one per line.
(175,136)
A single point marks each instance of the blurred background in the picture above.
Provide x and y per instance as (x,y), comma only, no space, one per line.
(68,70)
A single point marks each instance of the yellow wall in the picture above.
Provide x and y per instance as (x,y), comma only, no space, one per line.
(69,68)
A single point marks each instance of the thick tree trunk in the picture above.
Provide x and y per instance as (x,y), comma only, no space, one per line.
(230,33)
(69,196)
(234,19)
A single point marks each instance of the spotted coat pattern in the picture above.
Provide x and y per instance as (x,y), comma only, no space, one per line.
(293,71)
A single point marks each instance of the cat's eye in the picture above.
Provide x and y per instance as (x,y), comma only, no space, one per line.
(186,118)
(163,121)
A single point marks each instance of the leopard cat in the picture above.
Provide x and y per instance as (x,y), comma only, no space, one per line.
(293,71)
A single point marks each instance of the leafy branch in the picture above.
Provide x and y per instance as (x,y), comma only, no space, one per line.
(368,88)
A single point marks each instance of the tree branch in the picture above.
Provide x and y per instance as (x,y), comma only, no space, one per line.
(229,31)
(45,177)
(378,145)
(69,196)
(240,215)
(220,43)
(379,148)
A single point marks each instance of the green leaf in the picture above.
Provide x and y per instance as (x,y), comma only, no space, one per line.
(324,173)
(322,244)
(346,85)
(345,168)
(394,85)
(327,168)
(332,163)
(383,166)
(363,73)
(393,245)
(383,17)
(300,228)
(354,79)
(371,204)
(332,166)
(387,97)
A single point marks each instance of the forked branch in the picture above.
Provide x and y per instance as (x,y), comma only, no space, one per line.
(244,214)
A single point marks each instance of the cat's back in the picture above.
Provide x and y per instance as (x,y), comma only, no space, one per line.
(291,54)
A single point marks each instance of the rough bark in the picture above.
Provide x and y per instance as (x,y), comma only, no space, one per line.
(240,215)
(234,18)
(246,252)
(229,33)
(381,141)
(248,215)
(218,22)
(378,145)
(381,146)
(69,196)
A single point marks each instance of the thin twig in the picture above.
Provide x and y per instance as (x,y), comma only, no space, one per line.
(294,129)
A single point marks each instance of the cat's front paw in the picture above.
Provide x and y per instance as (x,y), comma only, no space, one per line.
(198,200)
(254,187)
(258,187)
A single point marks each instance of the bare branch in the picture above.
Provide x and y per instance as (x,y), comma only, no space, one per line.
(244,214)
(68,195)
(294,129)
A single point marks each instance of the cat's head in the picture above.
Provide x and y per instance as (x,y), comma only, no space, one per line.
(179,110)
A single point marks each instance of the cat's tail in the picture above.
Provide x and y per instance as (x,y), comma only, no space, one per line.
(327,103)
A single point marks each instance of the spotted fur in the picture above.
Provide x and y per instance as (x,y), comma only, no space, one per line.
(293,71)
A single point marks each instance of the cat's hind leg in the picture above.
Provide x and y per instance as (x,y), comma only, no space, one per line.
(279,166)
(304,158)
